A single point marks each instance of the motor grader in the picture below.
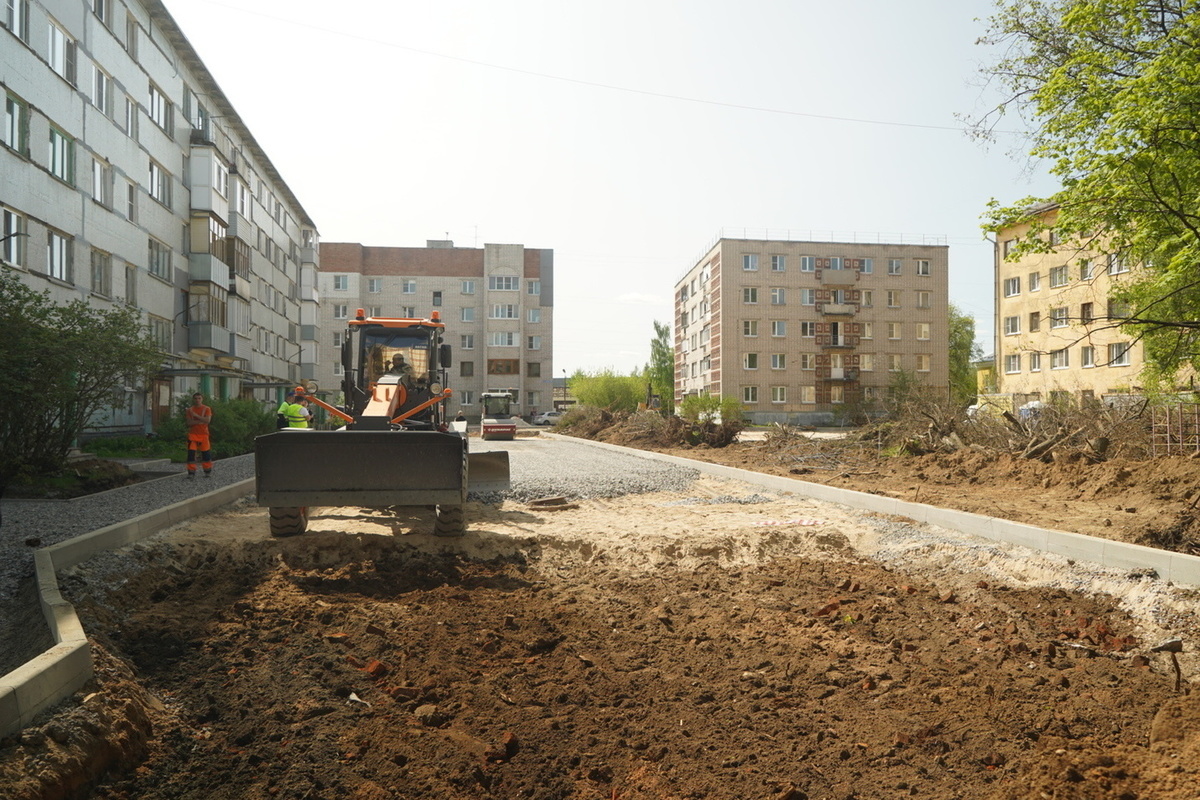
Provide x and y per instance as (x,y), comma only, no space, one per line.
(395,448)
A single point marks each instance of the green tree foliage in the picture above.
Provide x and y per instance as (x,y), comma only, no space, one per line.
(235,424)
(963,353)
(608,390)
(661,369)
(711,408)
(62,365)
(1113,87)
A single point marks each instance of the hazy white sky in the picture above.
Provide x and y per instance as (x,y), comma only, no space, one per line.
(625,135)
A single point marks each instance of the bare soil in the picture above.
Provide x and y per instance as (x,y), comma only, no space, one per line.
(712,644)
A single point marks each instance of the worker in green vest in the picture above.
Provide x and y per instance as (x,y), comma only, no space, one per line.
(291,413)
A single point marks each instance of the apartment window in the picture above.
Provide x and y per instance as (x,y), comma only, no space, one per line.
(778,327)
(1012,363)
(750,295)
(220,177)
(374,285)
(467,341)
(1118,354)
(534,287)
(778,394)
(102,91)
(338,370)
(1060,359)
(778,263)
(867,298)
(377,311)
(922,266)
(504,366)
(101,273)
(749,327)
(408,287)
(131,284)
(778,297)
(466,369)
(12,247)
(467,398)
(1117,309)
(1035,321)
(808,329)
(866,362)
(102,183)
(159,259)
(750,361)
(533,369)
(437,299)
(808,361)
(102,10)
(341,283)
(922,363)
(894,362)
(503,311)
(1058,317)
(808,264)
(1086,314)
(1035,362)
(808,394)
(61,53)
(158,108)
(1012,287)
(1035,281)
(338,338)
(924,299)
(58,256)
(533,342)
(159,186)
(1086,268)
(131,196)
(837,394)
(1012,325)
(160,332)
(15,133)
(16,18)
(1116,264)
(1087,356)
(533,315)
(808,297)
(194,111)
(408,312)
(468,287)
(749,394)
(893,299)
(341,311)
(502,283)
(1058,276)
(62,155)
(867,266)
(868,330)
(778,361)
(750,262)
(923,331)
(893,330)
(894,266)
(468,314)
(502,339)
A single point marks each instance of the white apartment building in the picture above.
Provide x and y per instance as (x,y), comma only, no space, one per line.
(126,177)
(497,304)
(1056,331)
(801,332)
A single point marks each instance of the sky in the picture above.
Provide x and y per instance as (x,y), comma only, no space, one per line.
(626,136)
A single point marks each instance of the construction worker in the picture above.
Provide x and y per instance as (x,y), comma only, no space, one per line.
(198,416)
(292,413)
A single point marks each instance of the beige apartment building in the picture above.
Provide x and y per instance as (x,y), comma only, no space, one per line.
(1053,326)
(802,332)
(497,303)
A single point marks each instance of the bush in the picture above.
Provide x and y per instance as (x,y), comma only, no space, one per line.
(234,426)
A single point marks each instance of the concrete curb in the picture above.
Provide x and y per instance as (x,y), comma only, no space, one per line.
(63,669)
(1179,568)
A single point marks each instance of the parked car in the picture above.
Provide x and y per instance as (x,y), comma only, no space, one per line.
(547,418)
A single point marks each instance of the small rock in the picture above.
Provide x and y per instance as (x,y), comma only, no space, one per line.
(429,714)
(376,668)
(33,541)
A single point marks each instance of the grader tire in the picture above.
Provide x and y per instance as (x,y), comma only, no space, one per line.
(288,521)
(449,521)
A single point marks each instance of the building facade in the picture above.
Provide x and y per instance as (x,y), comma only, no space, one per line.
(801,332)
(126,177)
(1055,328)
(497,303)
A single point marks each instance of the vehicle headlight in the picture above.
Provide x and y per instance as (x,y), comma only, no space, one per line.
(435,387)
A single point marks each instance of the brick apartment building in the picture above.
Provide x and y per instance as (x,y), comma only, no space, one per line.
(801,331)
(127,178)
(497,303)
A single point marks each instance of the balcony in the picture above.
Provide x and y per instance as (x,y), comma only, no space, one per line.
(839,277)
(847,342)
(208,337)
(843,374)
(207,267)
(844,309)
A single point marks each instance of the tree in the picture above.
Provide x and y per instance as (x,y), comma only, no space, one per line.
(661,369)
(963,353)
(1113,87)
(62,364)
(608,390)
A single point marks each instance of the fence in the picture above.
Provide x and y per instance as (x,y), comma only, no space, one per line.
(1175,430)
